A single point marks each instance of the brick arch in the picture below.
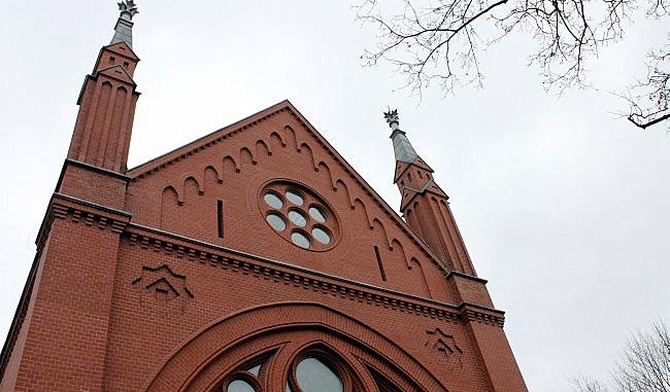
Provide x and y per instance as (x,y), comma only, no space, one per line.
(247,157)
(230,341)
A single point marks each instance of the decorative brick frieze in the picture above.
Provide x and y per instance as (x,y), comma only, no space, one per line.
(90,219)
(282,273)
(470,312)
(80,211)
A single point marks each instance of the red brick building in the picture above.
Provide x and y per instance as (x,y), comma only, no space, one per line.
(252,259)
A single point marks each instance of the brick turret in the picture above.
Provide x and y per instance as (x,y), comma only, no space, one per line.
(107,102)
(58,338)
(97,159)
(425,205)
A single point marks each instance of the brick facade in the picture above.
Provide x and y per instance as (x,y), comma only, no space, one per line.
(170,276)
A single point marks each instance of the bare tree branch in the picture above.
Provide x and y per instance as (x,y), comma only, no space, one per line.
(587,384)
(644,365)
(438,41)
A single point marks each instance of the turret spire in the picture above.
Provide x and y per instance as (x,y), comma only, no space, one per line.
(424,204)
(404,152)
(107,102)
(123,31)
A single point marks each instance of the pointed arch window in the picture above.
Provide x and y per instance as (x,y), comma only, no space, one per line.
(309,370)
(293,348)
(314,372)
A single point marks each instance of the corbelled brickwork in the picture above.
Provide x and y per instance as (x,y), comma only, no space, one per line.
(235,258)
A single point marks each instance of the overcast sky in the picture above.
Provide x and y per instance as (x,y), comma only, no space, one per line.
(564,206)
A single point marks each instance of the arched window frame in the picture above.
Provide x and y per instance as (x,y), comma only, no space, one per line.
(283,331)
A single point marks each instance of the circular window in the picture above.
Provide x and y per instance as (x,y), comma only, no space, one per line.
(321,235)
(299,215)
(317,214)
(276,221)
(300,239)
(294,197)
(273,200)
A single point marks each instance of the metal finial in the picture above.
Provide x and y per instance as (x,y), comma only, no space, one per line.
(404,152)
(128,8)
(392,118)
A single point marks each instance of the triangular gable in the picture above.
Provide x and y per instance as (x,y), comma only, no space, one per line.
(402,167)
(208,140)
(117,72)
(122,49)
(229,167)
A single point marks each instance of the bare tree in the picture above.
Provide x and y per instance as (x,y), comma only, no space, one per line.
(587,384)
(649,99)
(644,365)
(441,41)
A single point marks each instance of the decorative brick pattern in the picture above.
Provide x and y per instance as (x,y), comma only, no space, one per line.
(168,277)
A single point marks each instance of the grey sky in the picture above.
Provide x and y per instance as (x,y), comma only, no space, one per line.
(564,207)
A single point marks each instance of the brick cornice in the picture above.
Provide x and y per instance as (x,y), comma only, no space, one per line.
(471,312)
(74,162)
(281,272)
(78,210)
(453,274)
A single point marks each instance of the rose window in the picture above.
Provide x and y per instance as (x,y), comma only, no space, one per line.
(299,216)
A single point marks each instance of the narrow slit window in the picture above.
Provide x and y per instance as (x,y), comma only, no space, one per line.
(219,217)
(379,263)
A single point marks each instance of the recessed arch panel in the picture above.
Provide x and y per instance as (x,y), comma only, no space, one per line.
(287,328)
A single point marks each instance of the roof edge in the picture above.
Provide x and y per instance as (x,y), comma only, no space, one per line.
(202,142)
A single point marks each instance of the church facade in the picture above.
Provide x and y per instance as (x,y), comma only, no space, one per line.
(252,259)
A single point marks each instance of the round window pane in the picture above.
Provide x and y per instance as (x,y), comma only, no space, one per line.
(314,376)
(300,239)
(321,235)
(297,217)
(240,386)
(294,197)
(276,221)
(273,200)
(317,214)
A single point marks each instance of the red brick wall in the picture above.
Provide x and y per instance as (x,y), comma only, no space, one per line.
(155,299)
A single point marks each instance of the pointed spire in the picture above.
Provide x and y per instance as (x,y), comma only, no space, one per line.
(101,136)
(404,152)
(123,31)
(424,204)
